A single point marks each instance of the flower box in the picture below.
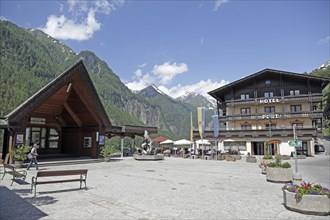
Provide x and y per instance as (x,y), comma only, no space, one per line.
(279,175)
(308,204)
(251,159)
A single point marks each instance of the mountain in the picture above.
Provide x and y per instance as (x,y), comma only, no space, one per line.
(197,100)
(30,59)
(175,111)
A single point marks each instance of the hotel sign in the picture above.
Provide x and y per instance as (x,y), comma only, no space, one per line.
(39,121)
(265,101)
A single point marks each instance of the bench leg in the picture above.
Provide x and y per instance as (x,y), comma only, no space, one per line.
(12,181)
(3,175)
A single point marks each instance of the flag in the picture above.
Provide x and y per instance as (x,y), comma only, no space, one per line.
(191,128)
(201,121)
(215,119)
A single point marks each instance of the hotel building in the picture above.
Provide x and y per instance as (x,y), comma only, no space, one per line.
(260,111)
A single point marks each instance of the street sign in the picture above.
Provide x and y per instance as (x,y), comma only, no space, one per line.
(295,143)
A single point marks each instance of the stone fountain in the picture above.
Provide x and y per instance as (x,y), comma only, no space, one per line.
(147,151)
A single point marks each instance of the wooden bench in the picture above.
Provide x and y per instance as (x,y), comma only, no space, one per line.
(10,169)
(36,180)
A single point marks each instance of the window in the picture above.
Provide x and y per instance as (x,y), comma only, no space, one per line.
(295,92)
(295,108)
(37,135)
(268,94)
(245,96)
(53,138)
(246,127)
(273,126)
(45,137)
(235,146)
(269,109)
(87,141)
(298,125)
(267,82)
(245,111)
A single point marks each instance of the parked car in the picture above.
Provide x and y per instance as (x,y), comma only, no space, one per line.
(127,152)
(319,148)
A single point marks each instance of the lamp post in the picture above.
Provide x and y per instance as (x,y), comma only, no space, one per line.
(296,175)
(269,117)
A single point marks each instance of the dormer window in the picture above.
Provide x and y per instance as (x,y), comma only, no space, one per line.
(295,92)
(268,94)
(245,96)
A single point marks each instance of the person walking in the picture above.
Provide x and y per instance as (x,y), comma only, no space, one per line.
(33,156)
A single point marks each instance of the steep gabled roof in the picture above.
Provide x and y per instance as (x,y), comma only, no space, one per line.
(86,87)
(242,81)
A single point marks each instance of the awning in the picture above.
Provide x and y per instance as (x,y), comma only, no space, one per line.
(275,141)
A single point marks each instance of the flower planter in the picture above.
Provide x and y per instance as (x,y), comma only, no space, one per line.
(251,159)
(279,175)
(230,158)
(308,204)
(263,169)
(18,163)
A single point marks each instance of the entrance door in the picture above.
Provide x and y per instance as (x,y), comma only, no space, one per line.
(257,148)
(304,149)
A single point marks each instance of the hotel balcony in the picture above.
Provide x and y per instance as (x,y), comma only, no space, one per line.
(316,97)
(263,133)
(275,115)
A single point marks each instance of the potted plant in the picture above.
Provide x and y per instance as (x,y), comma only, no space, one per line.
(267,158)
(107,151)
(307,198)
(279,172)
(19,154)
(263,165)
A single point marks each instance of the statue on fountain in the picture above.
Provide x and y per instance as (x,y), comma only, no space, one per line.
(146,147)
(147,151)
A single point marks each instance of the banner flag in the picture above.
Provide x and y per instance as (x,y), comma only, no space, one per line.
(215,119)
(201,121)
(191,128)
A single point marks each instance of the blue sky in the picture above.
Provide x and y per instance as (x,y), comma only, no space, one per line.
(184,46)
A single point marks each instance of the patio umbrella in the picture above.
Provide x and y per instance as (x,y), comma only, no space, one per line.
(168,141)
(182,143)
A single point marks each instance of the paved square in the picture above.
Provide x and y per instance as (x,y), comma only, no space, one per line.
(174,188)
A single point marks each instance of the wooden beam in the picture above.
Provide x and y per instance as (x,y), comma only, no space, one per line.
(73,115)
(60,120)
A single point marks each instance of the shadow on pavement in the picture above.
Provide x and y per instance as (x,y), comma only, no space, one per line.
(15,207)
(62,190)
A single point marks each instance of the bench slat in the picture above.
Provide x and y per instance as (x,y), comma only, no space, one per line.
(59,181)
(61,173)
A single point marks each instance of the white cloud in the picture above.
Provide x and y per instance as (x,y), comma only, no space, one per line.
(142,65)
(142,82)
(80,23)
(325,40)
(138,73)
(202,87)
(167,71)
(162,75)
(218,3)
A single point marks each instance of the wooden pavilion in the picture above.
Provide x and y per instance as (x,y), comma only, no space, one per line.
(64,117)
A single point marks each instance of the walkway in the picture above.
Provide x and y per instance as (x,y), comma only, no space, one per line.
(174,188)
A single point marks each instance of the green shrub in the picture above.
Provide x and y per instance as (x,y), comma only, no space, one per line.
(107,151)
(267,157)
(19,153)
(278,164)
(286,165)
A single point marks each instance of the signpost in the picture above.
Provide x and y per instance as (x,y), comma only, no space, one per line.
(295,143)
